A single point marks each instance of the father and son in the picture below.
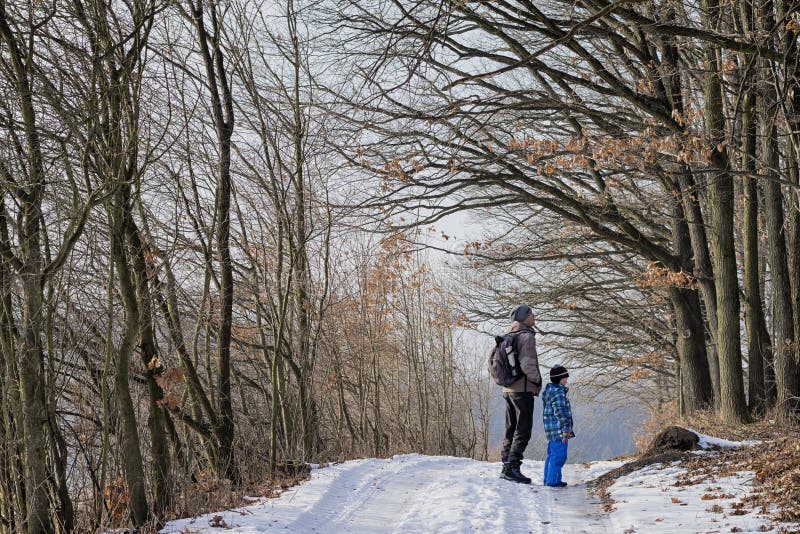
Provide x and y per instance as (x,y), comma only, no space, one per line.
(557,414)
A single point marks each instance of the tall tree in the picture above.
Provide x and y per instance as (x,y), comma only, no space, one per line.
(480,140)
(206,20)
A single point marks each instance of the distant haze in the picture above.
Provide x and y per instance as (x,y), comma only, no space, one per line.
(603,430)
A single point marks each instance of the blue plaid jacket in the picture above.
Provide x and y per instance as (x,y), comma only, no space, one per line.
(557,412)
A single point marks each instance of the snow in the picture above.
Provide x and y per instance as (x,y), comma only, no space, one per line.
(709,442)
(419,494)
(647,501)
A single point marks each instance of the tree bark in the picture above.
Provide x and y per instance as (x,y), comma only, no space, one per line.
(35,408)
(696,385)
(732,401)
(13,467)
(222,113)
(758,342)
(794,246)
(156,421)
(787,376)
(791,110)
(304,308)
(131,449)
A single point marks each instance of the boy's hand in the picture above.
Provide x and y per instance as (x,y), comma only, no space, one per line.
(564,437)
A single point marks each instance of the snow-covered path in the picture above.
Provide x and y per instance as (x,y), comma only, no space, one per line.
(416,493)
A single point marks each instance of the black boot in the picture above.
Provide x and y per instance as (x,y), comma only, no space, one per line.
(504,472)
(515,475)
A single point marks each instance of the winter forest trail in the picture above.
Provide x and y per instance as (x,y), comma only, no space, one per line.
(416,493)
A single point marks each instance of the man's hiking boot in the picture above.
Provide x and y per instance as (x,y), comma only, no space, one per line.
(514,475)
(559,485)
(504,472)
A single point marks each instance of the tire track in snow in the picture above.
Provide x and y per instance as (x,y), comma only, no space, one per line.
(416,493)
(370,506)
(353,487)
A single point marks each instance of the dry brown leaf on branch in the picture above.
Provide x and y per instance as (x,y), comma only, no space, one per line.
(658,276)
(171,383)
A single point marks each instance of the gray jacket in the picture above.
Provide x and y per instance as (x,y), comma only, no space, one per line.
(525,344)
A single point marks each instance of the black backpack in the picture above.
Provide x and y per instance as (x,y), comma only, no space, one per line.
(504,366)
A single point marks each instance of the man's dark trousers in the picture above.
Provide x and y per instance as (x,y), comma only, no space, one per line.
(519,421)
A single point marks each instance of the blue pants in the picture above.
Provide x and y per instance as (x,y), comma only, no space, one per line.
(553,462)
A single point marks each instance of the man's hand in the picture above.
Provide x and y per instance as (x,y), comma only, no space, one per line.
(564,437)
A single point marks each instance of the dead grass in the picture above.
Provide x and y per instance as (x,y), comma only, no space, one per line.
(660,418)
(207,494)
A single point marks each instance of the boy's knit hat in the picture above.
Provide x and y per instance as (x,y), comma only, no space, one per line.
(557,373)
(520,312)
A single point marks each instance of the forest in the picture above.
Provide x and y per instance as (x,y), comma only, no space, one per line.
(223,231)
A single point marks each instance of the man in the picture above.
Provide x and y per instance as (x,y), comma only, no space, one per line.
(519,395)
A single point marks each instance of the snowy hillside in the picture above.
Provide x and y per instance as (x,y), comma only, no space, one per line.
(416,493)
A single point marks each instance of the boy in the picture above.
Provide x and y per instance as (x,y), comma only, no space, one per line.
(557,425)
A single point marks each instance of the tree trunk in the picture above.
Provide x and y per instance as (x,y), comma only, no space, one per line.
(225,430)
(758,346)
(34,405)
(222,113)
(791,108)
(302,277)
(35,408)
(12,489)
(157,417)
(696,386)
(794,245)
(786,371)
(691,211)
(732,400)
(131,450)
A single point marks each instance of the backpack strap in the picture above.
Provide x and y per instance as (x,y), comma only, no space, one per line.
(517,362)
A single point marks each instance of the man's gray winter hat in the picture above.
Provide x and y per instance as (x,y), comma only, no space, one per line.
(520,312)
